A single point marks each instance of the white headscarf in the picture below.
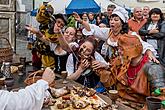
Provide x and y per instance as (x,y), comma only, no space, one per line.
(122,13)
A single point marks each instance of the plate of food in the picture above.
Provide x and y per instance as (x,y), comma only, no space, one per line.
(80,98)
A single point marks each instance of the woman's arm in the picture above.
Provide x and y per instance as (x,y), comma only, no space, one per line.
(161,33)
(143,31)
(84,23)
(38,34)
(147,48)
(76,75)
(92,29)
(154,33)
(99,62)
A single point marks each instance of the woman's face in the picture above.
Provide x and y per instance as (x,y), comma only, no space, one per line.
(155,17)
(115,24)
(90,16)
(69,34)
(58,25)
(98,19)
(85,17)
(86,49)
(79,35)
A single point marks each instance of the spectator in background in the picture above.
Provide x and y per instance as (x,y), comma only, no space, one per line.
(79,35)
(85,17)
(103,15)
(154,32)
(71,22)
(110,9)
(137,21)
(92,20)
(146,10)
(103,23)
(98,20)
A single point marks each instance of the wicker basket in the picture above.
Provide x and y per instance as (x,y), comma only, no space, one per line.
(34,77)
(6,53)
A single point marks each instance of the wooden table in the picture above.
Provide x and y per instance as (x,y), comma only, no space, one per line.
(19,82)
(71,83)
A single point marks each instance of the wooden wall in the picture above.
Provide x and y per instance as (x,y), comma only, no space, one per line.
(7,20)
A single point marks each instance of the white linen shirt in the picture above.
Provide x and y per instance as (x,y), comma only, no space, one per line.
(30,98)
(70,63)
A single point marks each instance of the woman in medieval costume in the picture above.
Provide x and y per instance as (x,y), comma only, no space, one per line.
(129,59)
(79,66)
(110,35)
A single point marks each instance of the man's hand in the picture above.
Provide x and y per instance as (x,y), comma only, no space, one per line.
(48,75)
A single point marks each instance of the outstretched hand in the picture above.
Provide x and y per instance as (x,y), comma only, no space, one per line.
(31,29)
(152,57)
(77,17)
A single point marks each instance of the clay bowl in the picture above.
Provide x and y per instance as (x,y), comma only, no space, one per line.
(113,94)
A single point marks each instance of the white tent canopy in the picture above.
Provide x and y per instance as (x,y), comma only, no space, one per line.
(60,5)
(104,4)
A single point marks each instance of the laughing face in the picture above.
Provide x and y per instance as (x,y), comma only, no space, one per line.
(155,17)
(86,50)
(69,34)
(115,24)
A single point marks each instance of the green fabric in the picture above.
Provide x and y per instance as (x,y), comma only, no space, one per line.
(163,103)
(71,22)
(157,92)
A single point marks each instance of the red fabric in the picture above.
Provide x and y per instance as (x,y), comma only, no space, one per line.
(133,70)
(35,58)
(135,25)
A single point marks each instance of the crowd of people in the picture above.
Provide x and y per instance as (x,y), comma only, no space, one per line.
(110,50)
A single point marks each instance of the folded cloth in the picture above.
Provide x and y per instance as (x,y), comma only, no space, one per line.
(100,88)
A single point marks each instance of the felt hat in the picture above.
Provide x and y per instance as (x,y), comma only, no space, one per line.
(61,16)
(130,46)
